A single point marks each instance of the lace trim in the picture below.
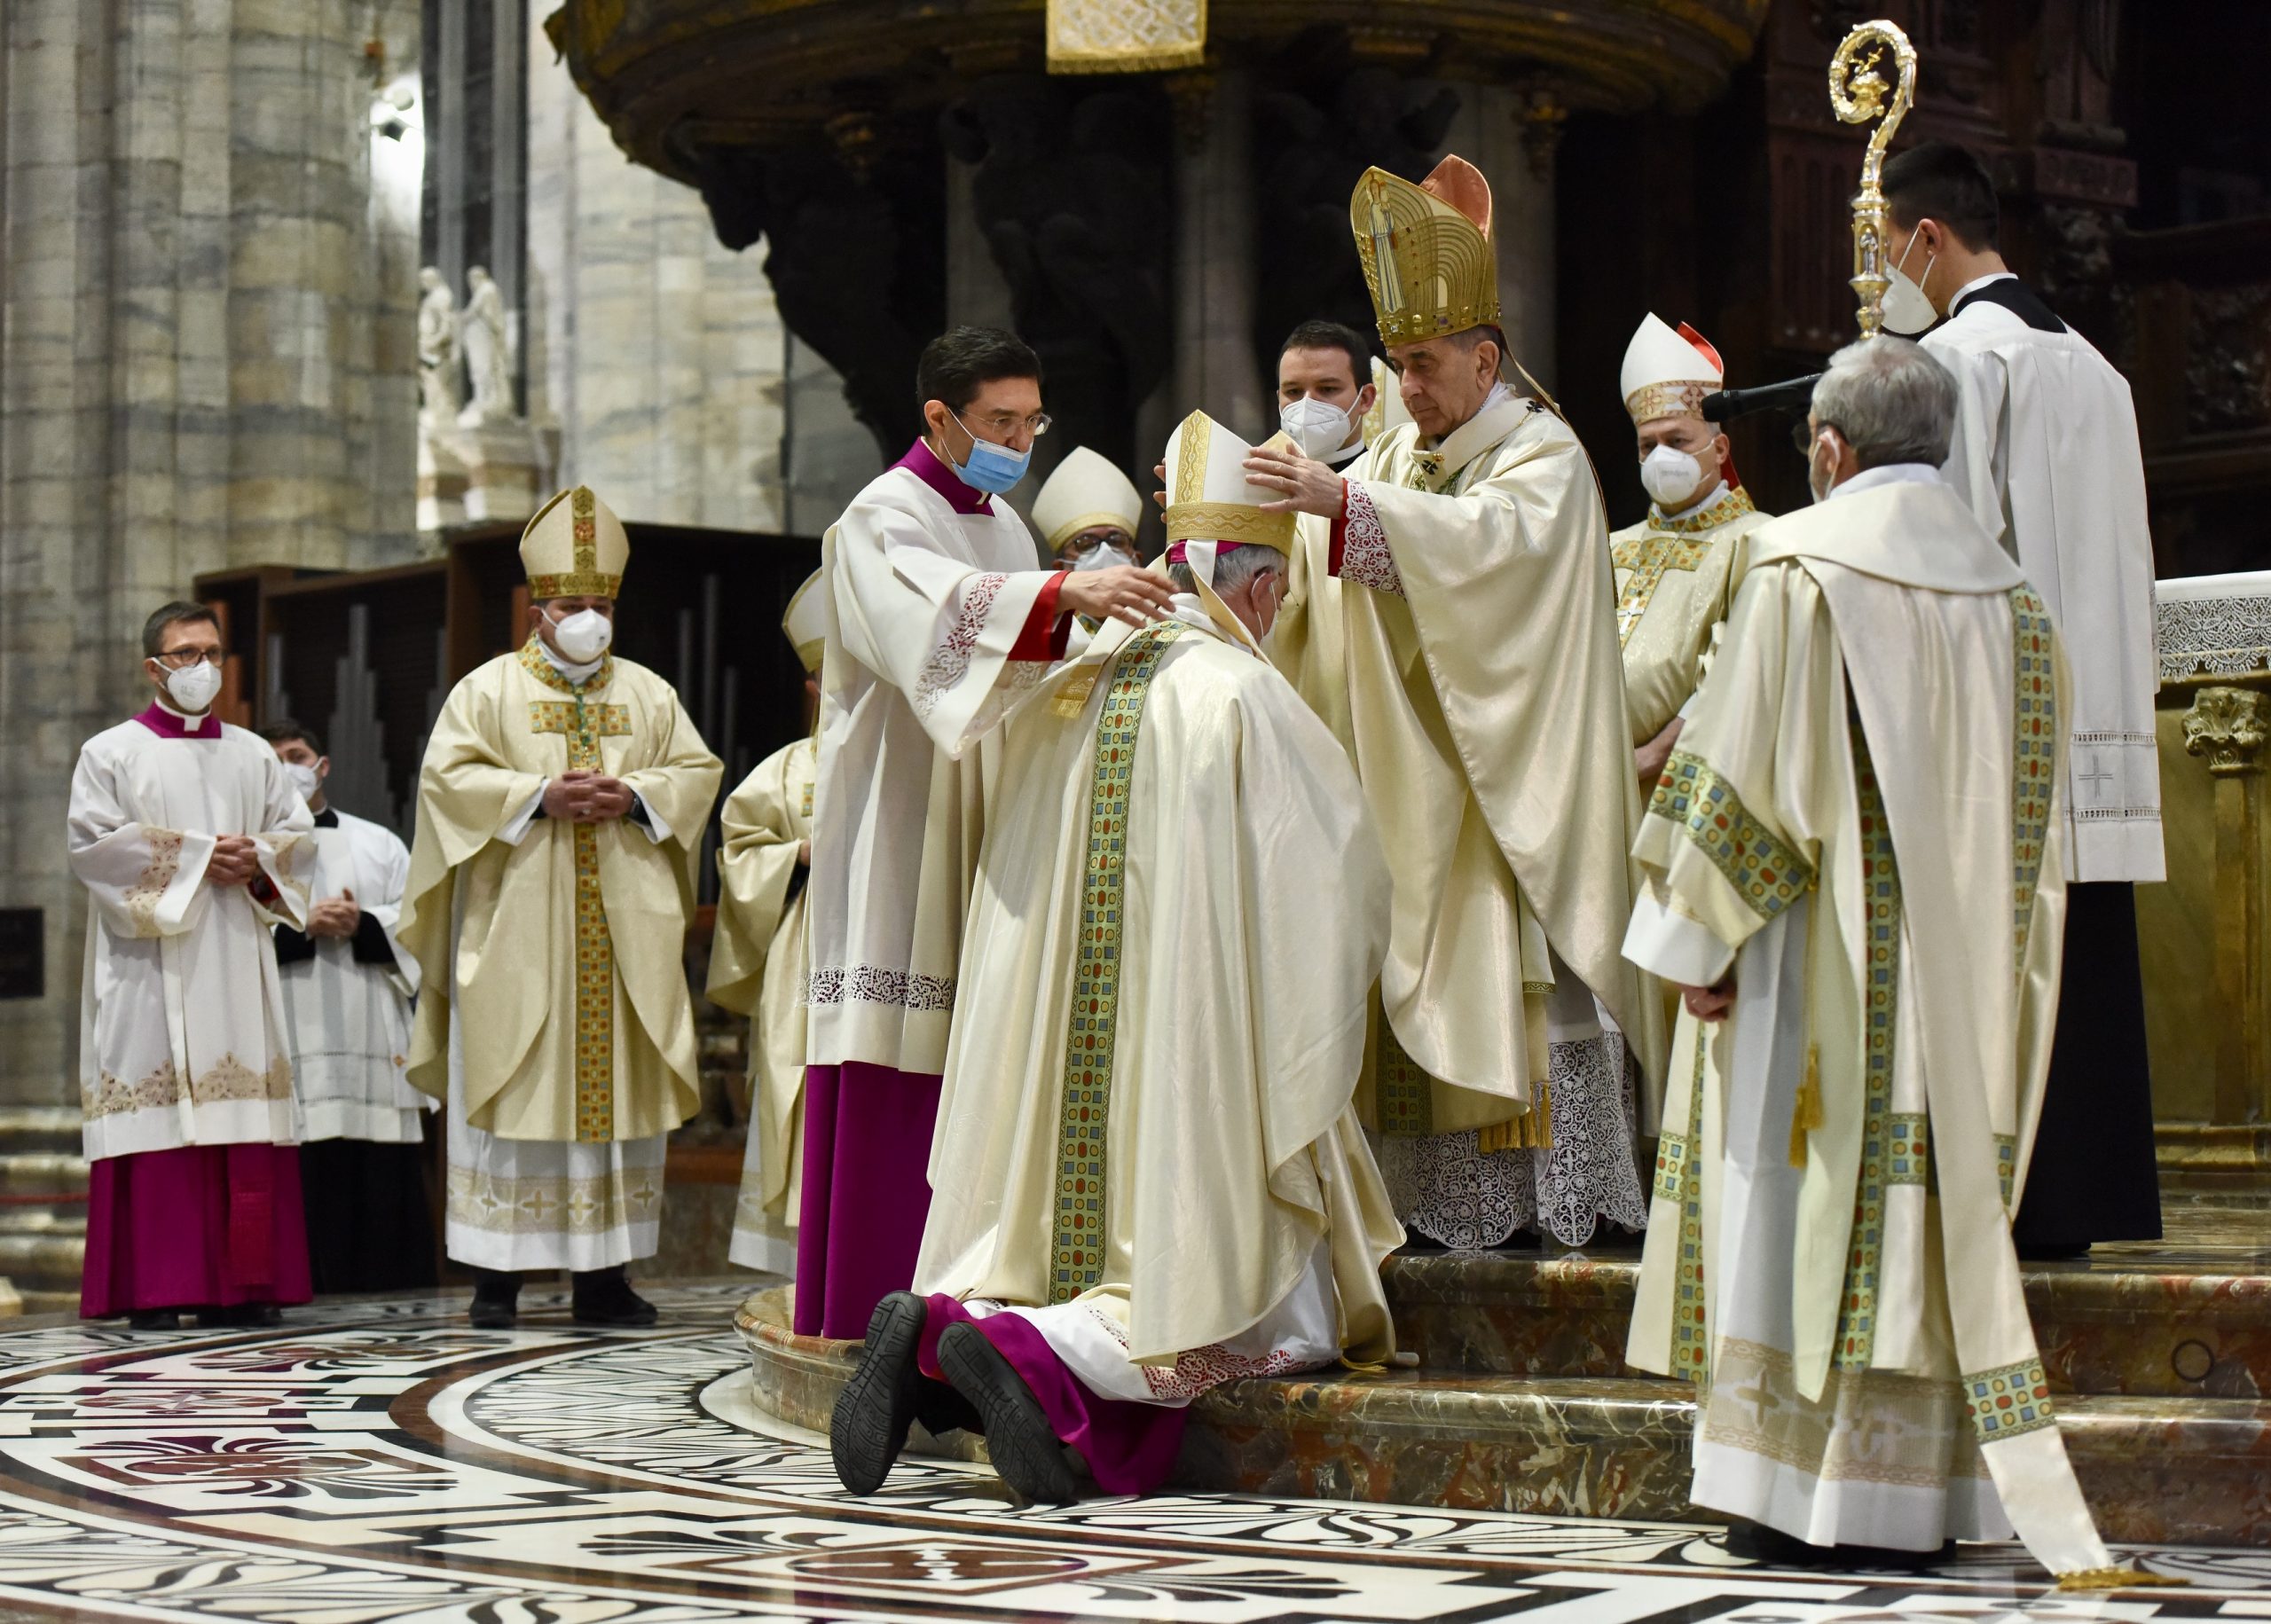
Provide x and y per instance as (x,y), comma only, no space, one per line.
(871,984)
(230,1080)
(1201,1370)
(950,660)
(1452,1192)
(2222,637)
(157,877)
(1364,556)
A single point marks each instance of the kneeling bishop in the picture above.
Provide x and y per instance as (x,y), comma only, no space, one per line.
(1148,1176)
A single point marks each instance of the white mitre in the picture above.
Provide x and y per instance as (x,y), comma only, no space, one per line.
(1085,492)
(805,622)
(1668,372)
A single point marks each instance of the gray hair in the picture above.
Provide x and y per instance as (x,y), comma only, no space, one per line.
(1891,401)
(1233,569)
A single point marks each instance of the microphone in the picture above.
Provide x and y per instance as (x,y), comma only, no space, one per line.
(1794,396)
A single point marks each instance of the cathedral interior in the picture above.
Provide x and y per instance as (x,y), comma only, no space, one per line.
(304,309)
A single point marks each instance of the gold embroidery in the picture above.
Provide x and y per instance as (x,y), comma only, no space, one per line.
(228,1080)
(586,580)
(1731,505)
(499,1206)
(1870,1426)
(157,877)
(584,726)
(1649,558)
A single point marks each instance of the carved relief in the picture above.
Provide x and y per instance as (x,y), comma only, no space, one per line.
(2227,726)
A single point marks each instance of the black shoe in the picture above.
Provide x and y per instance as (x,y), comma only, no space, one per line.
(1025,1448)
(942,1410)
(868,1427)
(238,1316)
(1757,1543)
(604,1297)
(155,1319)
(496,1300)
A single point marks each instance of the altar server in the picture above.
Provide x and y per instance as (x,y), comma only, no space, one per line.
(1852,867)
(1149,1178)
(2046,452)
(348,985)
(1087,512)
(191,843)
(1486,711)
(759,963)
(561,813)
(937,618)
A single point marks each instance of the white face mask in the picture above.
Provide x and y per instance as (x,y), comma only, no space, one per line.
(303,780)
(1108,556)
(193,687)
(583,637)
(1907,311)
(1318,427)
(1820,483)
(1671,475)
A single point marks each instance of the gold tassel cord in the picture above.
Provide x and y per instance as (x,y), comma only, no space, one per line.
(1533,1130)
(2118,1579)
(1805,1112)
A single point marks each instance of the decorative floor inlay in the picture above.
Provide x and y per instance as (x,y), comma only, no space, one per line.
(377,1461)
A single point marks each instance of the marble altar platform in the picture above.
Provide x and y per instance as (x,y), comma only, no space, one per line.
(1521,1400)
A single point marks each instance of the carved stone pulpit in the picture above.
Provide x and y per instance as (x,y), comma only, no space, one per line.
(2206,933)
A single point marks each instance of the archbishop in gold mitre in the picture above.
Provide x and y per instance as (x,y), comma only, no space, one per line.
(561,812)
(1478,674)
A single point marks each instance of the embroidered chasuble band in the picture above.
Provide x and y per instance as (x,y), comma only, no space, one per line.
(1678,544)
(1680,1180)
(1765,872)
(1076,1258)
(2034,748)
(1857,1314)
(584,725)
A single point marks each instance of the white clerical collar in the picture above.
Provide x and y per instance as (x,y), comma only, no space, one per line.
(1347,453)
(190,724)
(1977,283)
(1499,394)
(1657,515)
(1889,473)
(574,673)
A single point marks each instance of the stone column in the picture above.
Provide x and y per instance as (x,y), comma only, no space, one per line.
(977,294)
(1511,139)
(1214,254)
(654,353)
(207,363)
(2227,726)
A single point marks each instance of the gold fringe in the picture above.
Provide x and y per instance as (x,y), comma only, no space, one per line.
(1806,1114)
(1364,1367)
(2118,1579)
(1533,1130)
(1167,59)
(1072,698)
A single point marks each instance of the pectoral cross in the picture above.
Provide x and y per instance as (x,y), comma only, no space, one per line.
(2096,778)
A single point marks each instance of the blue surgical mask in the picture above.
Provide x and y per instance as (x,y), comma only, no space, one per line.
(992,469)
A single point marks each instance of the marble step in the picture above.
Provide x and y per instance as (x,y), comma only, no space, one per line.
(2175,1322)
(43,1172)
(25,1129)
(2184,1471)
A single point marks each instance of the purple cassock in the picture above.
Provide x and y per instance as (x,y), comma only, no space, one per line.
(202,1226)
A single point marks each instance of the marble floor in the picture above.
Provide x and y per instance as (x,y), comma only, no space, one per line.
(379,1461)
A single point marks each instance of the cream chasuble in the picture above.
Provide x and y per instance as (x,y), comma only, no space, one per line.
(350,1020)
(925,606)
(757,967)
(1139,1091)
(1675,579)
(181,1037)
(1830,1254)
(2046,452)
(564,972)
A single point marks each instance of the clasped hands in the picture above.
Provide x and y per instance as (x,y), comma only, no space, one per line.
(582,797)
(336,917)
(235,860)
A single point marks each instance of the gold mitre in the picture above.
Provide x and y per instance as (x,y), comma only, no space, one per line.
(1085,492)
(574,547)
(1208,496)
(1668,372)
(1429,255)
(805,621)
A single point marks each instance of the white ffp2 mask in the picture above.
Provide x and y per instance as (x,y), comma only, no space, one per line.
(1318,427)
(303,780)
(193,687)
(583,637)
(1671,475)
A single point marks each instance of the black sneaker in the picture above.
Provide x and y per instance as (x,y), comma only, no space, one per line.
(604,1297)
(868,1427)
(1025,1450)
(496,1300)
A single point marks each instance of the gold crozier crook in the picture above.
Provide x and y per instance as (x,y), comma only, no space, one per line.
(1856,91)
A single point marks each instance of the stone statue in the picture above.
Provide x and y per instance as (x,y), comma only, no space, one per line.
(437,348)
(488,351)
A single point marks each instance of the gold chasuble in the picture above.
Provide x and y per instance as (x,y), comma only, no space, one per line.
(1860,819)
(555,949)
(1148,1144)
(1675,578)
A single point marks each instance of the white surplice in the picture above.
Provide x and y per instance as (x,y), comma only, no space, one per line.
(181,1037)
(350,1021)
(2046,453)
(923,605)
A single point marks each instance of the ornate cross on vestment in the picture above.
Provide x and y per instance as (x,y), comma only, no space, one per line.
(2097,778)
(1649,558)
(584,725)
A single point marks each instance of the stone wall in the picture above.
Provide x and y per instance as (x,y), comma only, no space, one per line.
(207,363)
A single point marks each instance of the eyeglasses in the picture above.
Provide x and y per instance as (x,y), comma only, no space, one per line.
(1002,423)
(1803,438)
(181,659)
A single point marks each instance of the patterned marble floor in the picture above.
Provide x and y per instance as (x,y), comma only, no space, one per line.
(377,1461)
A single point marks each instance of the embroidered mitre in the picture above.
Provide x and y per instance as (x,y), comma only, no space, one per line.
(1668,372)
(1429,255)
(574,547)
(806,620)
(1208,496)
